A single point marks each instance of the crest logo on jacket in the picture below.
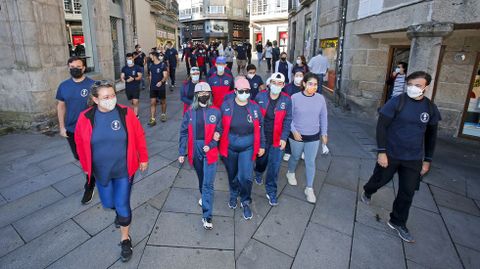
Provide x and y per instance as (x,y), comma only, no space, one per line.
(115,125)
(213,118)
(282,105)
(249,118)
(226,82)
(424,117)
(84,93)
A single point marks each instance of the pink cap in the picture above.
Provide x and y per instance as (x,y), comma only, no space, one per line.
(242,83)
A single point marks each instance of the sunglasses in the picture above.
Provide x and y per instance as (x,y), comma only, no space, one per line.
(103,83)
(243,91)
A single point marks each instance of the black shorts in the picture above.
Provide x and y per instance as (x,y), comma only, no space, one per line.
(159,93)
(132,94)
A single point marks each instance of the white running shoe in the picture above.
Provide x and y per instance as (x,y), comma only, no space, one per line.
(303,156)
(200,202)
(310,195)
(291,179)
(207,223)
(286,157)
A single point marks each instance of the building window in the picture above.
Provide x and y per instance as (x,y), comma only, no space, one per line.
(238,12)
(369,7)
(67,5)
(216,9)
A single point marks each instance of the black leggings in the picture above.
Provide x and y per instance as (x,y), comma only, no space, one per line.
(73,148)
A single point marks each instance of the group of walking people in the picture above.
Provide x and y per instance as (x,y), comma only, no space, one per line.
(245,123)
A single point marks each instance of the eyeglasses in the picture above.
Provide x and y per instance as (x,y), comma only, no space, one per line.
(243,91)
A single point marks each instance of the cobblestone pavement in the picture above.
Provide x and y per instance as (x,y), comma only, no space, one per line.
(43,224)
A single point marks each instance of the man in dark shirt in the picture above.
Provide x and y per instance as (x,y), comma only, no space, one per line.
(72,96)
(139,59)
(186,54)
(241,58)
(158,78)
(248,47)
(256,82)
(132,75)
(406,136)
(171,55)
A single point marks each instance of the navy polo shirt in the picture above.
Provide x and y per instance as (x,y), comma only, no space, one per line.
(132,72)
(283,68)
(156,70)
(109,147)
(140,59)
(75,95)
(171,55)
(242,122)
(241,53)
(406,132)
(255,83)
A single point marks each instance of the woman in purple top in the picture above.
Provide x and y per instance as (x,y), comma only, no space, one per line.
(309,125)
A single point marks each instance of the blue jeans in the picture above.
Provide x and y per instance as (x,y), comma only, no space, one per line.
(320,83)
(239,165)
(272,159)
(116,195)
(206,177)
(310,149)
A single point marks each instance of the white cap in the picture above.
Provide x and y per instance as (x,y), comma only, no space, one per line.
(202,87)
(278,77)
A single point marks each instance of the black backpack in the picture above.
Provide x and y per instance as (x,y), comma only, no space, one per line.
(401,104)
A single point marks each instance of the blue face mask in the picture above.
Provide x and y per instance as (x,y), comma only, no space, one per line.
(275,89)
(220,68)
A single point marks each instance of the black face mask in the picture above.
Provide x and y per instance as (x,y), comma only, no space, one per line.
(284,59)
(203,99)
(76,72)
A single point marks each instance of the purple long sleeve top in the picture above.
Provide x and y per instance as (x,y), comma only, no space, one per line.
(309,114)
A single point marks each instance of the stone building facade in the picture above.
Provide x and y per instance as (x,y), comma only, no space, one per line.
(35,51)
(269,21)
(212,20)
(441,37)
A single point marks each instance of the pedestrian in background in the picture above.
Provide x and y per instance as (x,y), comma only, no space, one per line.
(275,52)
(158,80)
(241,58)
(267,54)
(241,141)
(255,81)
(259,49)
(319,66)
(397,82)
(309,125)
(248,47)
(171,57)
(111,146)
(187,92)
(220,82)
(72,98)
(199,135)
(300,65)
(406,138)
(229,54)
(276,110)
(186,54)
(285,67)
(132,75)
(139,58)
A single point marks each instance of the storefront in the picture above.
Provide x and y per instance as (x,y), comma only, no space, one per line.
(164,34)
(215,30)
(329,50)
(470,126)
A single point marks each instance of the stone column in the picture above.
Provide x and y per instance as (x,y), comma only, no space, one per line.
(425,48)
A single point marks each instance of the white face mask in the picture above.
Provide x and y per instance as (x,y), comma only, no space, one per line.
(414,91)
(220,69)
(299,61)
(243,97)
(195,78)
(297,80)
(130,62)
(108,104)
(397,70)
(275,89)
(250,76)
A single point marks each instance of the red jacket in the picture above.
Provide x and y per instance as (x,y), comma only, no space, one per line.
(258,135)
(136,143)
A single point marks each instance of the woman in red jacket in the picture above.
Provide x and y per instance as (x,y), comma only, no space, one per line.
(111,146)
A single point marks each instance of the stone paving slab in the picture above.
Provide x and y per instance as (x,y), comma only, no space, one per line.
(47,248)
(71,185)
(159,200)
(186,258)
(245,229)
(335,209)
(258,255)
(103,250)
(186,201)
(423,198)
(276,230)
(26,187)
(10,240)
(27,205)
(95,219)
(470,257)
(47,218)
(343,173)
(473,188)
(56,161)
(455,201)
(156,163)
(186,230)
(8,156)
(11,177)
(464,228)
(374,249)
(2,200)
(299,190)
(446,180)
(432,241)
(413,265)
(322,246)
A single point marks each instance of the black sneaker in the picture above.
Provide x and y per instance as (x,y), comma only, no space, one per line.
(365,199)
(127,249)
(117,222)
(402,232)
(87,196)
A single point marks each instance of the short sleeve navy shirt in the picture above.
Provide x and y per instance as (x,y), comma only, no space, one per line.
(132,72)
(75,95)
(255,83)
(156,70)
(406,132)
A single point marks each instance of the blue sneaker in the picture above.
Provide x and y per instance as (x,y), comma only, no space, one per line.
(247,212)
(232,203)
(258,179)
(272,200)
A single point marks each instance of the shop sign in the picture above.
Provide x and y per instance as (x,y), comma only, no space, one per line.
(216,26)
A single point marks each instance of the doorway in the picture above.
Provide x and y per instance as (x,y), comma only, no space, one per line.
(396,55)
(470,126)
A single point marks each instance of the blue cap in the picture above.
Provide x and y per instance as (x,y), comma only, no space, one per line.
(221,60)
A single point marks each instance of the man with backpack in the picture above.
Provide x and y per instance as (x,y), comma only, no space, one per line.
(406,136)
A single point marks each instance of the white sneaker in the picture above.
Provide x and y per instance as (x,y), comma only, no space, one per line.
(200,202)
(303,156)
(207,224)
(291,179)
(286,157)
(310,195)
